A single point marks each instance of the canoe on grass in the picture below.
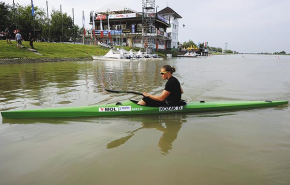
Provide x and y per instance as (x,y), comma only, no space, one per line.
(131,107)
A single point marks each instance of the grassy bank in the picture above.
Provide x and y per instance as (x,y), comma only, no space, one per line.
(49,50)
(53,51)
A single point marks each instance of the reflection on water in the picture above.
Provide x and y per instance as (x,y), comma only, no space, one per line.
(169,125)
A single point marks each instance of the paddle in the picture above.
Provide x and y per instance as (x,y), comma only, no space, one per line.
(123,92)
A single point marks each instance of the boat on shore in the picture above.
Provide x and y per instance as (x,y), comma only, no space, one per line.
(189,54)
(130,107)
(123,55)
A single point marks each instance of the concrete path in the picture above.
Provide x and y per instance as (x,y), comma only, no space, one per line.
(34,51)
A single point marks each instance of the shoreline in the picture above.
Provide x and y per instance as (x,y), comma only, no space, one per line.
(39,60)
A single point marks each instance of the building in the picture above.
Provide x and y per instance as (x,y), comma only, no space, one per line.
(172,31)
(117,25)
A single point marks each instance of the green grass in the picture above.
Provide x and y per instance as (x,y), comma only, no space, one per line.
(50,50)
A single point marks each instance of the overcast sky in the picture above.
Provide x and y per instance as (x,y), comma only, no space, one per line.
(245,25)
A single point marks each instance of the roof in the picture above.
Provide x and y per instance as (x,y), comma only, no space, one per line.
(169,11)
(115,8)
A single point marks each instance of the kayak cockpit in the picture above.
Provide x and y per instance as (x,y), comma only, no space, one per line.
(182,103)
(133,101)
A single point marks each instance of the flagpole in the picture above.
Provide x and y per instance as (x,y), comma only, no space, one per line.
(84,27)
(73,25)
(48,21)
(94,27)
(14,15)
(109,31)
(61,24)
(32,13)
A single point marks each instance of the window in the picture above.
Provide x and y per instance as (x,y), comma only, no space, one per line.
(139,28)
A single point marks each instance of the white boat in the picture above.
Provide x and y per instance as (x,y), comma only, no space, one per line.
(188,54)
(123,55)
(111,59)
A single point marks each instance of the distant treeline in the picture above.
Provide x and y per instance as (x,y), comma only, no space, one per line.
(18,17)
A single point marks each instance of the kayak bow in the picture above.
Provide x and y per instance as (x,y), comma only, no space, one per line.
(131,107)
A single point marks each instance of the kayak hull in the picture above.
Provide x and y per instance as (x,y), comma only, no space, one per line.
(131,108)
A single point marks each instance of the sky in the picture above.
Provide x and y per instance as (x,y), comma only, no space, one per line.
(247,26)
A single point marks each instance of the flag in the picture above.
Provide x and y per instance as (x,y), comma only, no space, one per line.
(94,27)
(101,26)
(109,32)
(32,8)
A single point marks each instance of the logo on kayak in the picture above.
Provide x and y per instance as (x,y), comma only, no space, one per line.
(125,108)
(173,108)
(108,109)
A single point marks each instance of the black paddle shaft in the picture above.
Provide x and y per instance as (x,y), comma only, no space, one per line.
(132,92)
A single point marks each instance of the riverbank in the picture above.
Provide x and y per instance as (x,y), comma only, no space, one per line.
(47,52)
(51,52)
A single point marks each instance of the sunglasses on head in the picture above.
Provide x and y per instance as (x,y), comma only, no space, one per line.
(162,73)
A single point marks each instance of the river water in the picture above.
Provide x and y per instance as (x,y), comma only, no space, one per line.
(238,147)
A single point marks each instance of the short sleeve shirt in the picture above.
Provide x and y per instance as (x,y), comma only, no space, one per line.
(173,86)
(18,36)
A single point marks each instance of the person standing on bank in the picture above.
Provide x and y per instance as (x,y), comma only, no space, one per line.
(7,33)
(31,39)
(18,39)
(171,95)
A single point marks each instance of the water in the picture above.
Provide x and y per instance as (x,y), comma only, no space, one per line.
(238,147)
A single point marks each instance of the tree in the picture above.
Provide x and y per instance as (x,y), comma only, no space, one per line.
(215,49)
(61,27)
(5,16)
(190,43)
(228,51)
(25,20)
(201,45)
(280,53)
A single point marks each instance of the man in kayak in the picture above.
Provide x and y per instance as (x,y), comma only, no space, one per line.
(171,95)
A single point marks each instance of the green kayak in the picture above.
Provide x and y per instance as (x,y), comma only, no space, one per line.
(131,108)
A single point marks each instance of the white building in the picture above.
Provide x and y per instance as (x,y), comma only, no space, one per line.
(172,31)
